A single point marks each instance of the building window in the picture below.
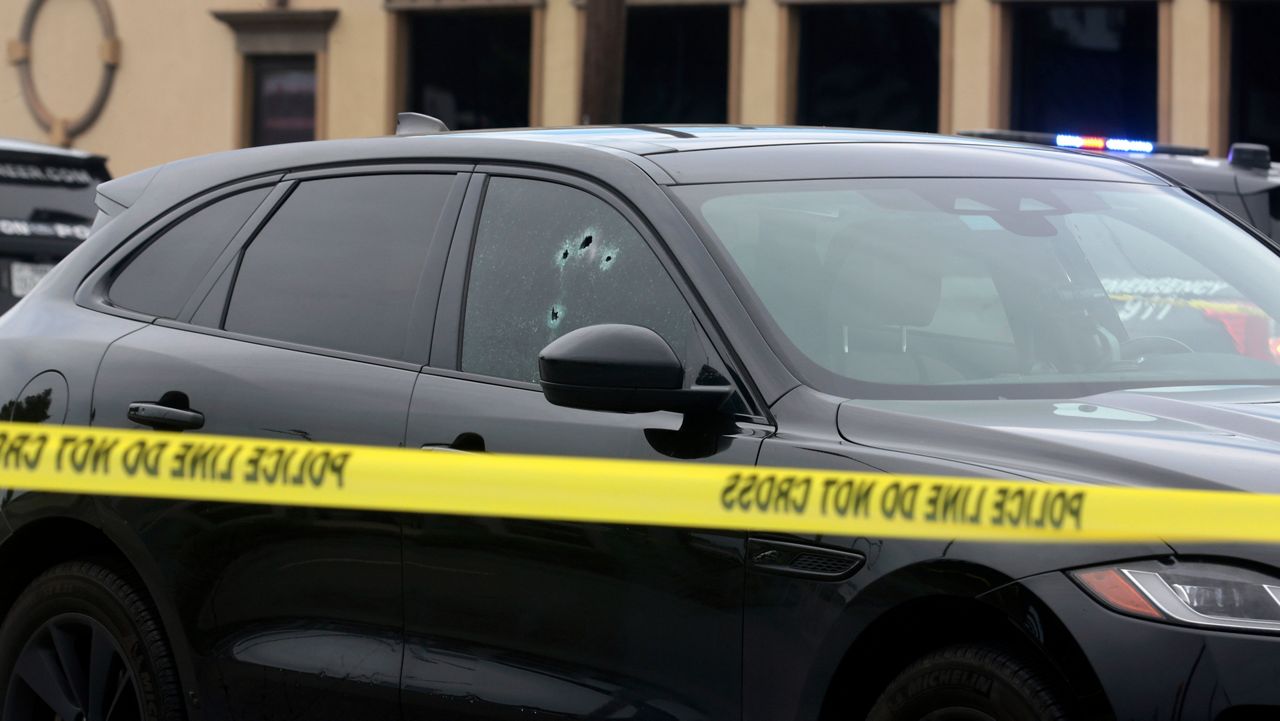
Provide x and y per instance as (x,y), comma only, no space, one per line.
(285,54)
(1255,86)
(471,68)
(677,66)
(1084,68)
(868,65)
(282,99)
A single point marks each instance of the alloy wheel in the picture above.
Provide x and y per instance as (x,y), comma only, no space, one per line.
(72,669)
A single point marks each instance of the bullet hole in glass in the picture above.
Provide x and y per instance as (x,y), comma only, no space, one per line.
(564,255)
(585,242)
(555,316)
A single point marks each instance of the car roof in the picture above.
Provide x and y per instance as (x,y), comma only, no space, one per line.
(669,154)
(649,140)
(722,153)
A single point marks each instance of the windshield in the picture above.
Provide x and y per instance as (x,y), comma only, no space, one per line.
(973,288)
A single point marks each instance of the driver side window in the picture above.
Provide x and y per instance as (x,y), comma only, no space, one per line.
(549,259)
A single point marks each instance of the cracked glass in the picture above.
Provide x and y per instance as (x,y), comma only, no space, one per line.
(549,259)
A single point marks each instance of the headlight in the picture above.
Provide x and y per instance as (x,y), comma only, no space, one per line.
(1198,594)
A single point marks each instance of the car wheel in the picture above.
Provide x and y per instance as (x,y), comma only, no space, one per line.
(968,683)
(82,644)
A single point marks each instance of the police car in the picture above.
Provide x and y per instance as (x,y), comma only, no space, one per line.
(1245,182)
(46,209)
(1162,295)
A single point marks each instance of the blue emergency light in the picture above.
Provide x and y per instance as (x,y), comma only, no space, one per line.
(1094,142)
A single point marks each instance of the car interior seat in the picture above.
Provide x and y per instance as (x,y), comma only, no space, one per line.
(884,281)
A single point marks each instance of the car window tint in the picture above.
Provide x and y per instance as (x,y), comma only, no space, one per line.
(338,265)
(159,279)
(549,259)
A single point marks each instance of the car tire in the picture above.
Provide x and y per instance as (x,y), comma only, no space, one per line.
(969,683)
(82,641)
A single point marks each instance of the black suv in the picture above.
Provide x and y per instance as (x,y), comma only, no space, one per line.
(863,301)
(46,207)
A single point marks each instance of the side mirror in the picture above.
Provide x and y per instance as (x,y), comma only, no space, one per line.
(621,368)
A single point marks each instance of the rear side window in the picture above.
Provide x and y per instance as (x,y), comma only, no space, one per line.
(549,259)
(159,280)
(338,265)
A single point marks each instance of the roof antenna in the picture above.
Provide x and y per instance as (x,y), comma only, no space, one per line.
(419,124)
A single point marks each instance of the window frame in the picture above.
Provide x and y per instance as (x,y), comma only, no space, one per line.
(93,292)
(446,343)
(420,329)
(278,32)
(250,221)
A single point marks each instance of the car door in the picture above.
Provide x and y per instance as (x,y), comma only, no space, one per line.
(299,331)
(522,619)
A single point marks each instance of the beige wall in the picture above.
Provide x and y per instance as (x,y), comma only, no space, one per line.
(765,61)
(1190,93)
(179,83)
(177,89)
(360,92)
(172,92)
(562,63)
(975,65)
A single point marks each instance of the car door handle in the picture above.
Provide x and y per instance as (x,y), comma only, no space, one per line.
(165,418)
(464,443)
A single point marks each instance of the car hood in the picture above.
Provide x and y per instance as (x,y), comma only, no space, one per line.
(1213,438)
(1217,438)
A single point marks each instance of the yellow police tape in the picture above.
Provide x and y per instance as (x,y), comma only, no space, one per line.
(659,493)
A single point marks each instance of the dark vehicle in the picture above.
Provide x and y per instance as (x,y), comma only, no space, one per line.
(46,208)
(1245,182)
(862,301)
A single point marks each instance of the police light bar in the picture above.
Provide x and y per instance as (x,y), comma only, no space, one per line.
(1093,142)
(1085,142)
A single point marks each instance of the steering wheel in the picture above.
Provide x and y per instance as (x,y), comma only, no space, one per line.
(1135,348)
